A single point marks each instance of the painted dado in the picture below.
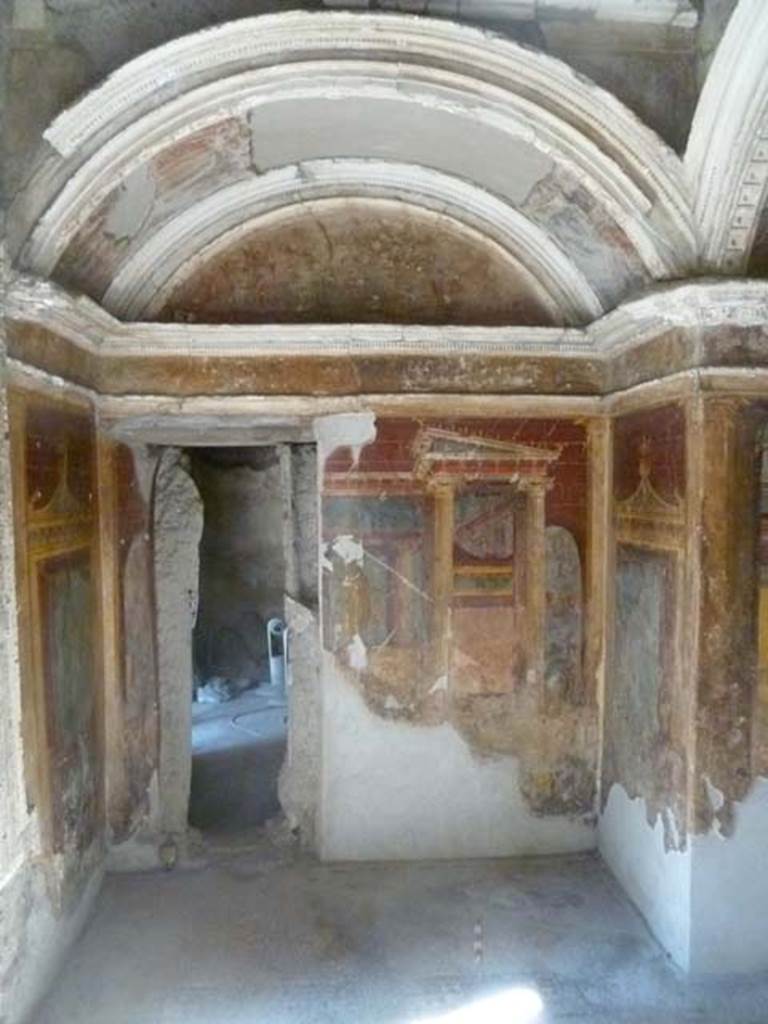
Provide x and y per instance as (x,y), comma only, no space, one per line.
(477,284)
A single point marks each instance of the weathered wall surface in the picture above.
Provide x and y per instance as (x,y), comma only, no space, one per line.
(178,526)
(727,680)
(729,899)
(56,871)
(647,702)
(300,783)
(760,727)
(53,444)
(684,805)
(54,51)
(454,580)
(125,486)
(242,560)
(358,261)
(305,519)
(645,793)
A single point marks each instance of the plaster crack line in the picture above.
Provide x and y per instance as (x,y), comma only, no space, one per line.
(399,576)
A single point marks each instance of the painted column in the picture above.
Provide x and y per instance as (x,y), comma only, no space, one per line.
(536,596)
(443,497)
(115,781)
(598,632)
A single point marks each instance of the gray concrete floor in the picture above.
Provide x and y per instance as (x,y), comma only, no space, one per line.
(237,750)
(269,936)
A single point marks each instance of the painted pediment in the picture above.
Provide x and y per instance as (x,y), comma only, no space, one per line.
(437,446)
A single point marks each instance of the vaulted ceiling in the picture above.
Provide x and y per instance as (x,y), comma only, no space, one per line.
(365,167)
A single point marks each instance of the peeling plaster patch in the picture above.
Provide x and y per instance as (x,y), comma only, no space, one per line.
(395,790)
(673,839)
(349,549)
(440,685)
(357,654)
(135,199)
(353,430)
(325,562)
(717,802)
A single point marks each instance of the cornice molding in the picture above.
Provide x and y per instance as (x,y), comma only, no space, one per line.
(727,156)
(691,306)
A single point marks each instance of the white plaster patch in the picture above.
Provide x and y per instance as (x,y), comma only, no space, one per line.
(349,549)
(357,654)
(730,892)
(353,430)
(657,880)
(404,121)
(440,685)
(670,824)
(716,802)
(133,205)
(393,790)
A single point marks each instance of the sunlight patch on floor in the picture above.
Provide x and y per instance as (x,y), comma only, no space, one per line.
(512,1006)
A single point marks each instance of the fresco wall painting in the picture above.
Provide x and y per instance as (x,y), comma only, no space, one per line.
(58,569)
(761,719)
(454,556)
(646,705)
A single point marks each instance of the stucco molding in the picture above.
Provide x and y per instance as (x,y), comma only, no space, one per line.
(671,13)
(691,306)
(727,156)
(201,79)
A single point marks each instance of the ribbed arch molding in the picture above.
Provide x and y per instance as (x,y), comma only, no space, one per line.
(547,160)
(727,156)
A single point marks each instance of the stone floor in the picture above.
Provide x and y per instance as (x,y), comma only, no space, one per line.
(237,750)
(268,936)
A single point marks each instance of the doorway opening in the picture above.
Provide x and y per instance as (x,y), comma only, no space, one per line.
(247,559)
